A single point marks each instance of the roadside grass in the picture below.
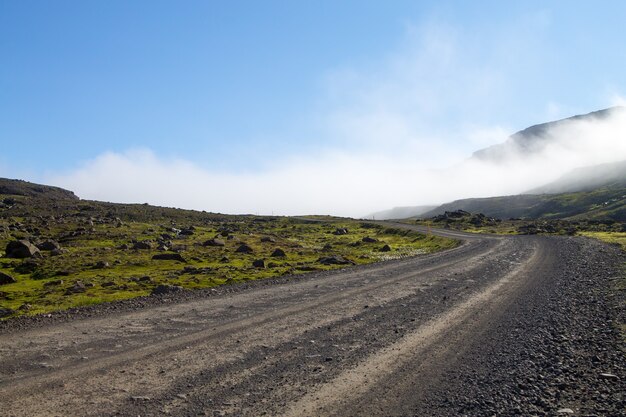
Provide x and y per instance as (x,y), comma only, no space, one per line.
(99,256)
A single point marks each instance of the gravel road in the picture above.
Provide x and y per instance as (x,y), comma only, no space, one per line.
(497,326)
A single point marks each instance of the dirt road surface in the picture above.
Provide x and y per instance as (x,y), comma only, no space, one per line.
(497,326)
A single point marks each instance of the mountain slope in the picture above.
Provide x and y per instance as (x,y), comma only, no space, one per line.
(612,176)
(11,187)
(601,203)
(533,140)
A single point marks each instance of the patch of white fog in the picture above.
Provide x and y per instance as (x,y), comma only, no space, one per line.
(400,134)
(342,183)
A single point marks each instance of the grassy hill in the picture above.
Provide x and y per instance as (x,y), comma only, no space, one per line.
(86,252)
(601,203)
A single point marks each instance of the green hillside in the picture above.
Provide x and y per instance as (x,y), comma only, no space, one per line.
(602,203)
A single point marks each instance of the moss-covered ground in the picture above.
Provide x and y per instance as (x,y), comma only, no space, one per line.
(97,242)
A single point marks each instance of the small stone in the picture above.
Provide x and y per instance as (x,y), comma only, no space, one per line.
(565,411)
(6,279)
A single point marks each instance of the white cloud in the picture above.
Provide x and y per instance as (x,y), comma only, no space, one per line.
(400,134)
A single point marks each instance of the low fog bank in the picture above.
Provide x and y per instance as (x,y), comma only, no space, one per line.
(346,184)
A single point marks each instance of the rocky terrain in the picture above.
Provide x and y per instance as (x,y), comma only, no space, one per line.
(517,325)
(60,252)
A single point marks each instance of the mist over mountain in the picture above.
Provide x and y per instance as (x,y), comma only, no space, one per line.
(400,212)
(534,140)
(612,175)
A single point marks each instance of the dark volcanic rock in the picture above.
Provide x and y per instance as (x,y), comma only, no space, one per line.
(278,253)
(340,231)
(385,248)
(244,249)
(143,245)
(49,245)
(334,260)
(214,242)
(259,263)
(78,287)
(6,279)
(169,257)
(368,239)
(166,289)
(269,239)
(21,249)
(5,312)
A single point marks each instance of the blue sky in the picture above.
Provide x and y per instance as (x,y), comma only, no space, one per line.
(239,89)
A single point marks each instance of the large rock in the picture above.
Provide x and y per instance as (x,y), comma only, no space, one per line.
(21,249)
(49,245)
(278,253)
(143,245)
(169,257)
(368,239)
(214,242)
(5,312)
(244,249)
(259,263)
(6,279)
(166,289)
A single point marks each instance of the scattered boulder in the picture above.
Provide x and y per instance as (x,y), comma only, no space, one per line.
(385,248)
(327,247)
(266,239)
(335,260)
(27,266)
(49,245)
(187,232)
(278,253)
(5,312)
(214,242)
(102,265)
(368,239)
(169,257)
(21,249)
(53,283)
(225,260)
(25,307)
(340,231)
(166,289)
(145,245)
(6,279)
(57,252)
(78,287)
(259,263)
(244,249)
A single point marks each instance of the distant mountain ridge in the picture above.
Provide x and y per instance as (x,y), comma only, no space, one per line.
(534,138)
(29,189)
